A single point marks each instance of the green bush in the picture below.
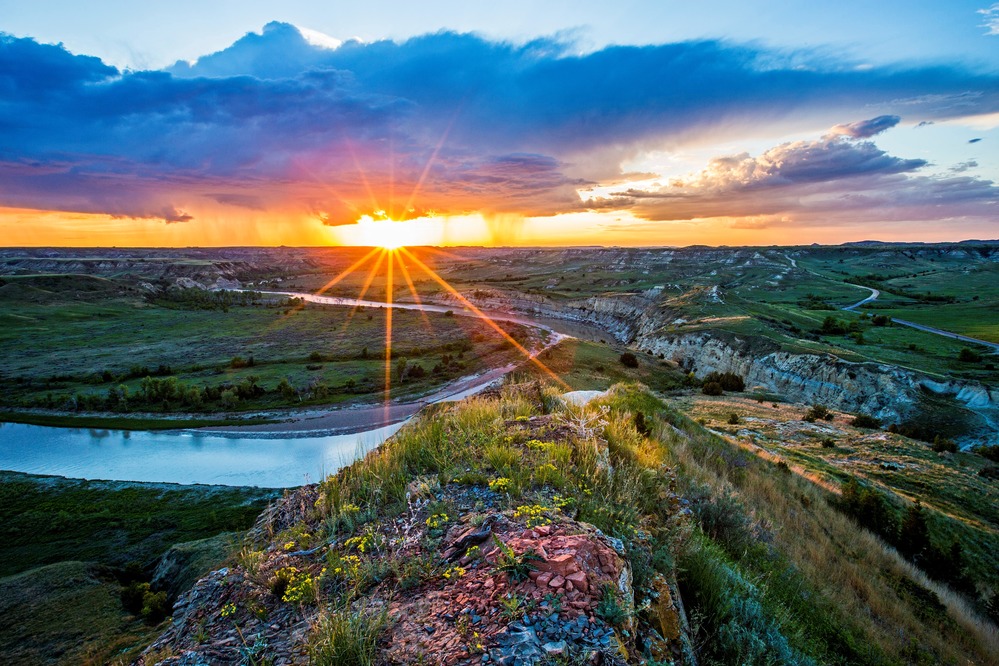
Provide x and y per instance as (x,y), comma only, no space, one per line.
(818,412)
(729,381)
(968,356)
(712,388)
(865,421)
(629,360)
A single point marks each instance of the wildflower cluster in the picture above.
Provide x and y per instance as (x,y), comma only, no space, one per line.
(347,566)
(561,502)
(537,445)
(289,545)
(534,514)
(349,509)
(546,473)
(364,543)
(474,552)
(500,485)
(453,572)
(228,610)
(302,588)
(437,521)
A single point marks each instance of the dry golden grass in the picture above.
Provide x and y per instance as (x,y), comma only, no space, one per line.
(847,565)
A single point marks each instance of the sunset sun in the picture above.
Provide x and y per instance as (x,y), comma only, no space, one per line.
(391,234)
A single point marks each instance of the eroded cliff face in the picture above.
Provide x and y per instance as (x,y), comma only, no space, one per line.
(648,321)
(884,391)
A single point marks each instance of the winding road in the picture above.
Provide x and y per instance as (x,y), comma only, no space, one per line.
(921,327)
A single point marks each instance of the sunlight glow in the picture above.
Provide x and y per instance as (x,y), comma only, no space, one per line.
(390,234)
(484,317)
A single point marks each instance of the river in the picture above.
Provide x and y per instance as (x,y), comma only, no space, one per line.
(282,455)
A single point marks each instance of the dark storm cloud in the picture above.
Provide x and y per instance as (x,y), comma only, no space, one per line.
(276,121)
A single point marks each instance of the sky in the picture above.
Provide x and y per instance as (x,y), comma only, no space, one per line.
(516,123)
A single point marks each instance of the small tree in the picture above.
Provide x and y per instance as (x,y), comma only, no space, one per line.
(914,535)
(285,388)
(968,356)
(629,360)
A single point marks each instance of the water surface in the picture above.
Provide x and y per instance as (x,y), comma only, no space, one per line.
(181,457)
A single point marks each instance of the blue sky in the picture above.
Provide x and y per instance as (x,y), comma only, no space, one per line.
(621,123)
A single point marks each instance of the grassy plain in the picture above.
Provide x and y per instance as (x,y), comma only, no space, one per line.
(69,336)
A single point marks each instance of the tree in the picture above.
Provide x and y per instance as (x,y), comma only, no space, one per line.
(914,535)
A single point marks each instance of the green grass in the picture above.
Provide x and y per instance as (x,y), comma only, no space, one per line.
(67,613)
(587,366)
(57,347)
(45,520)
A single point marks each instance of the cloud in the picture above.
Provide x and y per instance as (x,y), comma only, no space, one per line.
(863,129)
(974,140)
(991,23)
(278,121)
(811,182)
(963,166)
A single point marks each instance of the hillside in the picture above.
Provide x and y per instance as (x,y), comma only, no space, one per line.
(513,528)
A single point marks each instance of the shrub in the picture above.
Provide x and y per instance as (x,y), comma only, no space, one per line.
(968,356)
(610,609)
(865,421)
(988,452)
(729,381)
(733,419)
(516,566)
(870,508)
(139,600)
(828,443)
(712,388)
(944,445)
(818,412)
(629,360)
(285,388)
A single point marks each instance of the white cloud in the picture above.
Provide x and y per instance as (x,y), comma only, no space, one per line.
(991,15)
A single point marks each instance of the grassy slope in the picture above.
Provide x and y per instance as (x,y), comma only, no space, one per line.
(771,573)
(67,613)
(44,520)
(839,593)
(962,504)
(63,542)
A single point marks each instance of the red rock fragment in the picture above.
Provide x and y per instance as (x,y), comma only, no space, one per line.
(578,580)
